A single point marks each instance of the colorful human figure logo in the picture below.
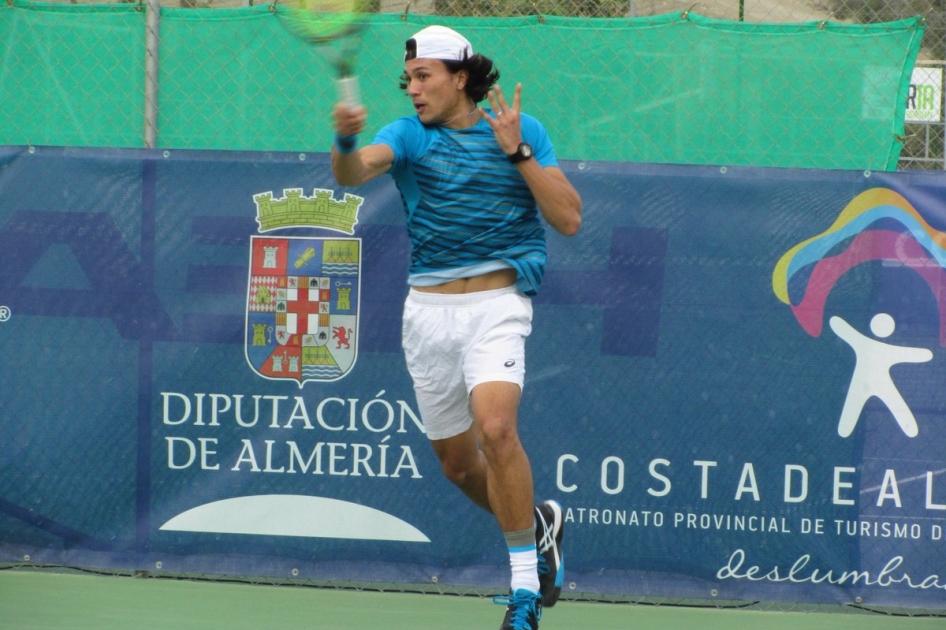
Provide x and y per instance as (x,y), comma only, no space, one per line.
(877,225)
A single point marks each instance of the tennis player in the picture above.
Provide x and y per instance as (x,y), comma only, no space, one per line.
(477,184)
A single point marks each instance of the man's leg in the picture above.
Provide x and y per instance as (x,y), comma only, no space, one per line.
(495,408)
(464,464)
(487,462)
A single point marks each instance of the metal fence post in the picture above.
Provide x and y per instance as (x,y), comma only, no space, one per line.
(152,38)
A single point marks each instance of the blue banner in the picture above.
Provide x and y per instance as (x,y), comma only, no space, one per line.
(734,382)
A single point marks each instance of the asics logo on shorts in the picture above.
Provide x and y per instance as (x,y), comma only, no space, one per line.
(510,363)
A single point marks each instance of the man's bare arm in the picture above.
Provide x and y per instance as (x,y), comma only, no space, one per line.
(352,166)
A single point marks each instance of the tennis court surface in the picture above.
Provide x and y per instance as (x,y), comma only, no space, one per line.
(48,600)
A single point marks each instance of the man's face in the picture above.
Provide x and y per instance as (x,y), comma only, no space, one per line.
(436,93)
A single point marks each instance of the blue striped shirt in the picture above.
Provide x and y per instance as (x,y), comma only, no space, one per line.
(466,205)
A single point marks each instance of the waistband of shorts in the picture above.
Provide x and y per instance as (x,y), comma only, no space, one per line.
(458,299)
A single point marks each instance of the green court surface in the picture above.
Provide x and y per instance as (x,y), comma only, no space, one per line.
(43,600)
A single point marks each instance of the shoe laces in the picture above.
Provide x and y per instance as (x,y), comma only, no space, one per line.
(523,605)
(543,565)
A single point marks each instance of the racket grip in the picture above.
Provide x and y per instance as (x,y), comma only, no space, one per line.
(347,89)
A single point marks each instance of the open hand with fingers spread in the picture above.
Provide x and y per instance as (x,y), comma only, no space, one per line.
(505,119)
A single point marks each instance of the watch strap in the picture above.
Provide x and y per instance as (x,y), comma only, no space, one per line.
(523,153)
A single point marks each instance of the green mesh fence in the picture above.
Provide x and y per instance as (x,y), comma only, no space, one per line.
(670,88)
(72,75)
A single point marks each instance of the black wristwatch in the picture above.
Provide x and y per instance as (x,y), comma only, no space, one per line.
(523,153)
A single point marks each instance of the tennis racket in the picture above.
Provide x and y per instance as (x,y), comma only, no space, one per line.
(335,27)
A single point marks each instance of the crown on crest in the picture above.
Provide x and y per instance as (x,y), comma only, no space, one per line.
(296,210)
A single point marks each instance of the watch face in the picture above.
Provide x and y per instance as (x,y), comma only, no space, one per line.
(524,152)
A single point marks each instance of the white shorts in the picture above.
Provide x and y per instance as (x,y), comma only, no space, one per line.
(453,343)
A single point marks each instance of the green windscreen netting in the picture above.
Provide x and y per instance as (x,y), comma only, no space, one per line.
(675,88)
(71,75)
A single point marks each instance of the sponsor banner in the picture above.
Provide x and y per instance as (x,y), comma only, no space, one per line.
(925,95)
(733,387)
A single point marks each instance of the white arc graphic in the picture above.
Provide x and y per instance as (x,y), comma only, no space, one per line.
(294,515)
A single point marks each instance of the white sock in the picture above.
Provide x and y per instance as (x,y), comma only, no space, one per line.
(524,570)
(523,560)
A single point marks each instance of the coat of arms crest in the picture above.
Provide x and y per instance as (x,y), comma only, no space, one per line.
(303,292)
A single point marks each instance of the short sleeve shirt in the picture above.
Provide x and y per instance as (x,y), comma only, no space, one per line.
(466,204)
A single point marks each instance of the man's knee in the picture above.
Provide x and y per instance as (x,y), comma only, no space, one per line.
(498,437)
(460,461)
(457,473)
(465,471)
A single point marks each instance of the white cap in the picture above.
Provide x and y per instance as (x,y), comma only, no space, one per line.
(438,42)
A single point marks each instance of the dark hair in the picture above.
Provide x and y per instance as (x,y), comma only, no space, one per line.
(482,75)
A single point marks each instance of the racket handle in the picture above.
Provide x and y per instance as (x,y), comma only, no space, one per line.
(347,89)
